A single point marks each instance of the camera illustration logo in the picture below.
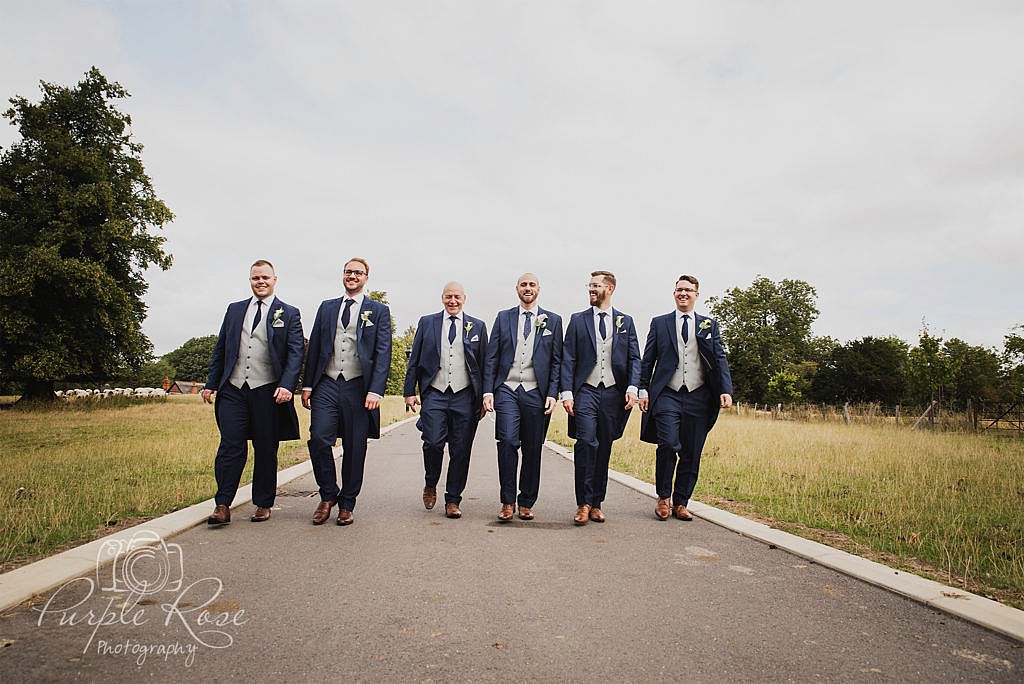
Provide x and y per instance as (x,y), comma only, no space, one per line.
(144,564)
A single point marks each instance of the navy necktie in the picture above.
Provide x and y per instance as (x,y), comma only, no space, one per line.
(526,325)
(601,326)
(451,330)
(257,317)
(685,331)
(346,315)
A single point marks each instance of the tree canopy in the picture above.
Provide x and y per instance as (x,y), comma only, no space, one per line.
(191,361)
(76,217)
(764,327)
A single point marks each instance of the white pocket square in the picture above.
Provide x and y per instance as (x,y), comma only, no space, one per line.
(476,338)
(367,323)
(546,333)
(277,324)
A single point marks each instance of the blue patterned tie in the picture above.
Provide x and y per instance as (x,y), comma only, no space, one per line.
(685,331)
(451,330)
(526,325)
(346,314)
(258,316)
(601,327)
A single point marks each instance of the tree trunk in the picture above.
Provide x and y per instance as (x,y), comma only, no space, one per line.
(38,390)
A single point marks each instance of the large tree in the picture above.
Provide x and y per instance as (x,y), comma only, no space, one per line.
(765,327)
(191,361)
(869,369)
(77,212)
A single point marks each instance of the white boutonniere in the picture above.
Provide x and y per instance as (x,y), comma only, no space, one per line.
(276,321)
(704,325)
(618,324)
(541,322)
(365,318)
(469,326)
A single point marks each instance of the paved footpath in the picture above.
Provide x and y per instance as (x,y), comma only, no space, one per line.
(405,594)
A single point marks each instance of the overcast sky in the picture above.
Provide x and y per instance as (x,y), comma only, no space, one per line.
(872,149)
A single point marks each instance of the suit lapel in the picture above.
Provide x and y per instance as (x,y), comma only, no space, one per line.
(588,319)
(512,321)
(670,334)
(537,331)
(359,320)
(330,327)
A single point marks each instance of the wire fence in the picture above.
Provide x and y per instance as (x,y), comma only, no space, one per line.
(997,417)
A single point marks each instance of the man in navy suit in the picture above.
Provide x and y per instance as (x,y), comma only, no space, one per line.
(253,372)
(521,375)
(447,363)
(346,370)
(600,372)
(684,381)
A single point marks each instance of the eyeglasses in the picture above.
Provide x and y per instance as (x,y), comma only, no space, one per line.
(596,286)
(685,289)
(350,272)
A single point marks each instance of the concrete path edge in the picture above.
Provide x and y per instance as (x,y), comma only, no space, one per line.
(21,584)
(990,614)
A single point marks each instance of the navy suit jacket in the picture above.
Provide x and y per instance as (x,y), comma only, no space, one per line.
(547,350)
(373,347)
(425,358)
(661,358)
(285,343)
(579,356)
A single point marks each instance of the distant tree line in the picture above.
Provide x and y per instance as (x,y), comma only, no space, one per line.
(773,357)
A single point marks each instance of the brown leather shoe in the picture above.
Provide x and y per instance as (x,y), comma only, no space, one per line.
(662,509)
(525,513)
(582,515)
(323,512)
(681,513)
(262,514)
(596,515)
(505,514)
(452,510)
(344,516)
(429,497)
(221,515)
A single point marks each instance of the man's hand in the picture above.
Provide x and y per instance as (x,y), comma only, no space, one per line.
(567,405)
(305,398)
(549,405)
(281,395)
(488,402)
(208,395)
(411,402)
(726,400)
(643,404)
(372,402)
(630,400)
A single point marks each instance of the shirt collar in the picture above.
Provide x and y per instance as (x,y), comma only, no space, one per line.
(358,299)
(267,301)
(535,310)
(447,317)
(600,311)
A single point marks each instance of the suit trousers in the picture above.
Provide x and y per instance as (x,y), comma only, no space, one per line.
(338,407)
(682,419)
(597,412)
(243,414)
(520,424)
(447,418)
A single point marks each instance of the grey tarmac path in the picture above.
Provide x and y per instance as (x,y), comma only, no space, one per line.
(405,594)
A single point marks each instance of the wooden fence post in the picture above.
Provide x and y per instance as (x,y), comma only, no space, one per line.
(846,412)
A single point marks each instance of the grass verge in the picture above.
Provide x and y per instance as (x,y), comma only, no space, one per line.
(946,505)
(75,472)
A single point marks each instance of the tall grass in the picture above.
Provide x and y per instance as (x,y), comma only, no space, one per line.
(947,504)
(72,472)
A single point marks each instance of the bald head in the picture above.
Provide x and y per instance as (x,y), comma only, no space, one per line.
(528,289)
(453,297)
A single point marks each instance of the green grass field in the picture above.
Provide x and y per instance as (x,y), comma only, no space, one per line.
(950,505)
(78,471)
